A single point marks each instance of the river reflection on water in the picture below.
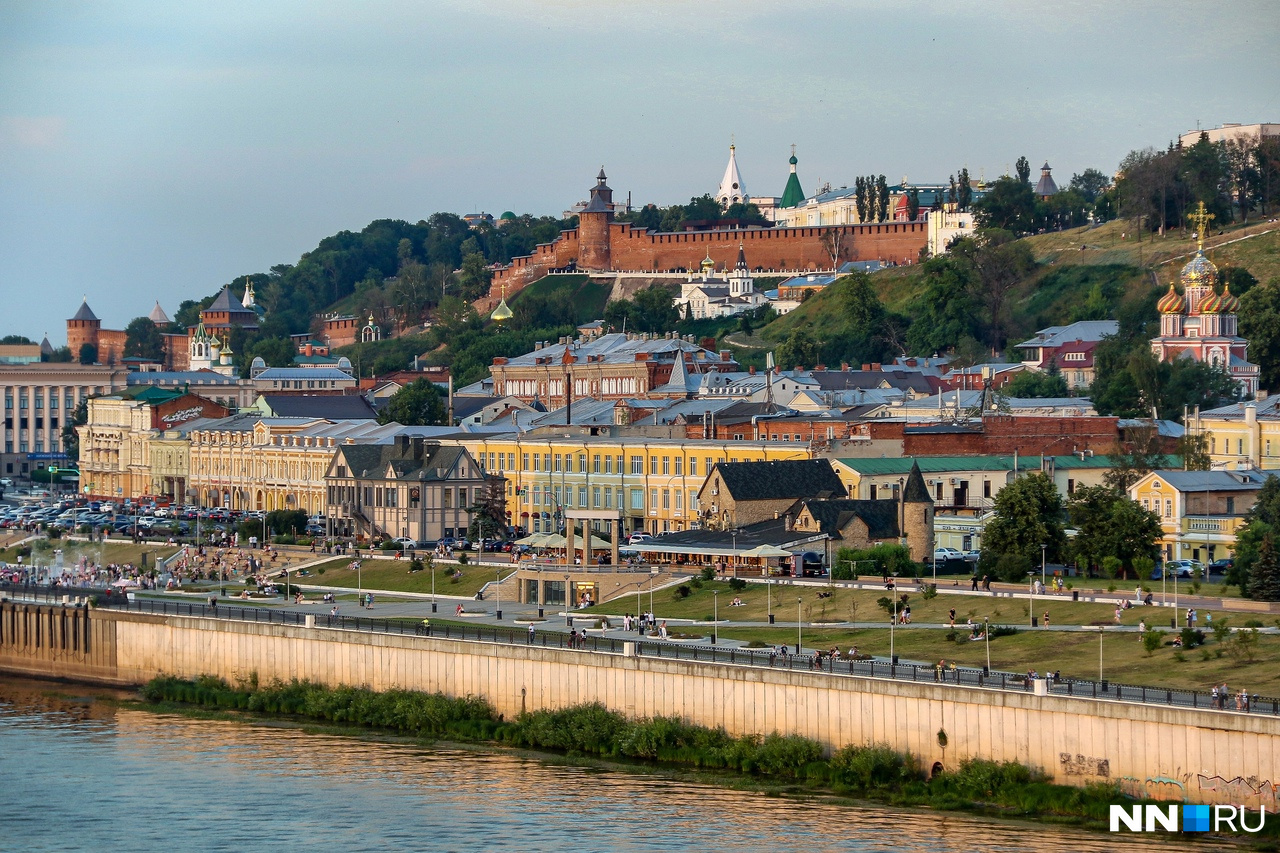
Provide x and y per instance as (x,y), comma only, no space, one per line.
(79,774)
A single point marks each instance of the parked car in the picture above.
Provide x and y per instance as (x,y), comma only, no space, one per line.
(1220,567)
(405,542)
(941,555)
(638,537)
(1185,568)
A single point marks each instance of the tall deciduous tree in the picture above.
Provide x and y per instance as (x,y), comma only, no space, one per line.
(882,199)
(142,339)
(1028,514)
(1260,323)
(419,403)
(964,190)
(913,204)
(1109,524)
(1264,580)
(1023,170)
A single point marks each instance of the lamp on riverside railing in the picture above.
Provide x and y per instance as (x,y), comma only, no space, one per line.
(715,615)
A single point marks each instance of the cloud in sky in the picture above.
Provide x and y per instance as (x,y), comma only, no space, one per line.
(159,150)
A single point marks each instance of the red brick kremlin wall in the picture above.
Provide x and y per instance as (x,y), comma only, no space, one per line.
(637,250)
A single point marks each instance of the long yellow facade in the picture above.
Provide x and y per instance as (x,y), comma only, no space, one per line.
(652,483)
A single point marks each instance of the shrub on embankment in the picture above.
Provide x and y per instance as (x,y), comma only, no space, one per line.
(875,771)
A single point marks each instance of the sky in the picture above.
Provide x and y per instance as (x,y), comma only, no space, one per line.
(157,150)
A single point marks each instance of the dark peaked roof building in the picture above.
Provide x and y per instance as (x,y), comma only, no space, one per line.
(412,488)
(740,493)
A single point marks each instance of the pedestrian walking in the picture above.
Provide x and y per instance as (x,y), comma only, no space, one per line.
(973,583)
(1046,619)
(531,635)
(952,614)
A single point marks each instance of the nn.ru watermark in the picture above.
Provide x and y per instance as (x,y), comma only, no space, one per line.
(1193,818)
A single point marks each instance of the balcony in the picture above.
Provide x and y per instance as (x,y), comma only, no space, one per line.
(1209,525)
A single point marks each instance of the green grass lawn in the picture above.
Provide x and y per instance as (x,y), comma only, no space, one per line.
(393,576)
(113,552)
(846,605)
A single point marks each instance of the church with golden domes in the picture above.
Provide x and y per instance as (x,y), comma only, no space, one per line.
(1200,323)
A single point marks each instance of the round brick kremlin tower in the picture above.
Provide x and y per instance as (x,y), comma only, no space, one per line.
(593,227)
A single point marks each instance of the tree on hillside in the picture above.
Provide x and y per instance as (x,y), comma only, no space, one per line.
(1023,170)
(275,352)
(473,280)
(652,309)
(1259,321)
(419,403)
(882,199)
(1000,263)
(16,339)
(948,309)
(1033,383)
(964,190)
(142,339)
(1028,514)
(1009,205)
(1090,184)
(799,349)
(860,197)
(88,354)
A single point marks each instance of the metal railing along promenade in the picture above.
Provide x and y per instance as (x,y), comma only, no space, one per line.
(813,661)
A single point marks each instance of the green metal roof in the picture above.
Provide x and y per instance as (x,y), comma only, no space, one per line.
(947,464)
(792,194)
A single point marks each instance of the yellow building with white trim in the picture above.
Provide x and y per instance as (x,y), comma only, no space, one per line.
(653,483)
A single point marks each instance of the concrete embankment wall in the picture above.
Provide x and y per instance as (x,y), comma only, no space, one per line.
(1172,753)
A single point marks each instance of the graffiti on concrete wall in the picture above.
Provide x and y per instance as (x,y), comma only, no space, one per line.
(1238,791)
(1154,788)
(1081,765)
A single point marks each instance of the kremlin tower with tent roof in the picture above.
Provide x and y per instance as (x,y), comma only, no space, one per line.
(1200,323)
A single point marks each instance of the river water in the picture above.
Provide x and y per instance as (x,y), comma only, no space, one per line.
(80,773)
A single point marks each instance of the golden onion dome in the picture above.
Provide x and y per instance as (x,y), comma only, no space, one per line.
(502,313)
(1199,272)
(1171,303)
(1211,304)
(1228,303)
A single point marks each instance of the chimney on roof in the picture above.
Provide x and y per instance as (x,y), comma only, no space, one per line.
(752,370)
(787,521)
(866,366)
(844,365)
(726,355)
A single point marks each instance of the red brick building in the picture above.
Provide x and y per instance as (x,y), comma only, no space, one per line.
(600,244)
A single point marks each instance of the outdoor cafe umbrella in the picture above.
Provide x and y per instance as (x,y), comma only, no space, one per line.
(767,551)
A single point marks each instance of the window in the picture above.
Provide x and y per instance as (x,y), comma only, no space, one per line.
(785,437)
(595,497)
(537,460)
(608,497)
(653,465)
(557,463)
(693,466)
(560,496)
(986,489)
(393,497)
(737,436)
(679,466)
(1168,508)
(1071,486)
(511,462)
(546,462)
(666,499)
(653,500)
(666,465)
(537,495)
(608,465)
(1231,506)
(693,500)
(1239,442)
(637,498)
(679,500)
(595,464)
(446,498)
(582,496)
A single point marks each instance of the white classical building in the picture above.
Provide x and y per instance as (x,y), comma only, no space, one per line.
(708,294)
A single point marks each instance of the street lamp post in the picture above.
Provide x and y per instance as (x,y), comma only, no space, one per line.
(653,576)
(433,585)
(715,615)
(497,612)
(1099,653)
(734,533)
(1043,549)
(1030,591)
(768,598)
(986,635)
(799,624)
(568,614)
(893,619)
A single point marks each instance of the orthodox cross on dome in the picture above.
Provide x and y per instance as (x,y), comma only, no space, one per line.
(1200,218)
